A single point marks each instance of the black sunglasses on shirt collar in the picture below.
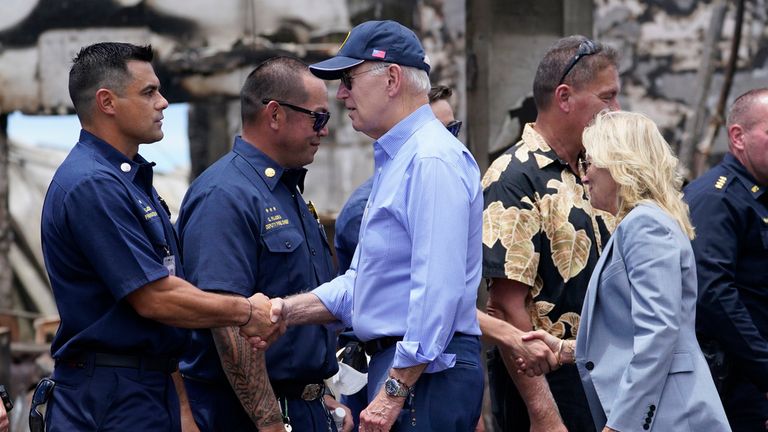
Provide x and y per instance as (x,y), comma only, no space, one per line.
(454,127)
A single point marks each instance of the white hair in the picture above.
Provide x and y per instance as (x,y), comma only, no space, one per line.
(416,79)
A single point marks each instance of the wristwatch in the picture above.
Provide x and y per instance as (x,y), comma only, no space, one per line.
(396,388)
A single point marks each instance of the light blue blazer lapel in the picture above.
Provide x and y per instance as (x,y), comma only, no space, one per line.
(589,301)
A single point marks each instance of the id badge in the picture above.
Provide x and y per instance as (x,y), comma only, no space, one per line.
(170,263)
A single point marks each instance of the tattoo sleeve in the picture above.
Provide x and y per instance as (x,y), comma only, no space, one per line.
(247,374)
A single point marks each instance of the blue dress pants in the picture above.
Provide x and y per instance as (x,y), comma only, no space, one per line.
(450,400)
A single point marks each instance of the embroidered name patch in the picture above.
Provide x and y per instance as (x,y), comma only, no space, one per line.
(149,212)
(274,219)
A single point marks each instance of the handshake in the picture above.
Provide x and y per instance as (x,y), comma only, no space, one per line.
(266,322)
(538,352)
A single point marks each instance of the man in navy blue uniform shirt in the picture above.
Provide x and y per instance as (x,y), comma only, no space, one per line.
(245,228)
(729,208)
(113,261)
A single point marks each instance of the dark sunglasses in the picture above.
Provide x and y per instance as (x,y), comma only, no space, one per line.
(454,127)
(586,48)
(39,397)
(321,118)
(346,77)
(584,164)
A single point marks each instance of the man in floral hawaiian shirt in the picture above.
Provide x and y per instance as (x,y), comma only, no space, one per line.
(541,237)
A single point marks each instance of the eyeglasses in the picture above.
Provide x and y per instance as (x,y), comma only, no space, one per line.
(321,118)
(584,164)
(586,48)
(346,77)
(39,397)
(454,127)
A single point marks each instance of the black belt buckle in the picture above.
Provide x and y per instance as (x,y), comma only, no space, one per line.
(312,392)
(40,397)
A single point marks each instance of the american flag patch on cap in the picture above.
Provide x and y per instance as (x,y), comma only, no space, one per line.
(378,53)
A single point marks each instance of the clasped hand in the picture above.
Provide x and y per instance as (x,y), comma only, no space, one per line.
(267,323)
(538,353)
(264,327)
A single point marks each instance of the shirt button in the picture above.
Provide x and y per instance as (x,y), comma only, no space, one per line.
(313,252)
(288,244)
(646,426)
(125,167)
(589,365)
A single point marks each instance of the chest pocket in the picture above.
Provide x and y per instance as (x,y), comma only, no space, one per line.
(284,240)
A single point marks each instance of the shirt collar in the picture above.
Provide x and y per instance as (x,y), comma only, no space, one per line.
(392,141)
(270,171)
(294,178)
(127,167)
(743,175)
(536,144)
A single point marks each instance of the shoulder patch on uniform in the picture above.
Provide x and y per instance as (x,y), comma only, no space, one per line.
(721,182)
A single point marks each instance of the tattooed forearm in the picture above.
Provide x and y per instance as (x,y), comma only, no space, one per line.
(247,373)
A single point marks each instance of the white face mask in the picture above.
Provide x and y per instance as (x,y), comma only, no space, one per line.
(347,380)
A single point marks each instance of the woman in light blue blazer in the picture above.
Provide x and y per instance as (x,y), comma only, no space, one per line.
(636,349)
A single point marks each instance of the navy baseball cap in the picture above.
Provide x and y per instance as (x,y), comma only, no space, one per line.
(385,41)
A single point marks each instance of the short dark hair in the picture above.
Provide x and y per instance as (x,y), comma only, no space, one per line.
(556,59)
(102,65)
(279,78)
(439,92)
(740,111)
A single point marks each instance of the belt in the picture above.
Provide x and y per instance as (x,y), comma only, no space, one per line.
(298,390)
(154,364)
(375,346)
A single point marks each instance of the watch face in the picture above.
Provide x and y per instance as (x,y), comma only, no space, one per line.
(391,387)
(395,388)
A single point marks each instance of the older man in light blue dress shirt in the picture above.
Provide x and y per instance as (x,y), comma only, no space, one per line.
(411,290)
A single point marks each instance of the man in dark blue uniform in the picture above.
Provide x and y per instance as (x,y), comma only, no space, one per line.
(113,261)
(729,208)
(245,228)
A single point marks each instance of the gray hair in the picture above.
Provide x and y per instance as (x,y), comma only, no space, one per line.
(552,66)
(417,80)
(741,110)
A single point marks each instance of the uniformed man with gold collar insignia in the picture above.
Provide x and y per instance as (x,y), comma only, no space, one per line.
(113,261)
(729,208)
(245,228)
